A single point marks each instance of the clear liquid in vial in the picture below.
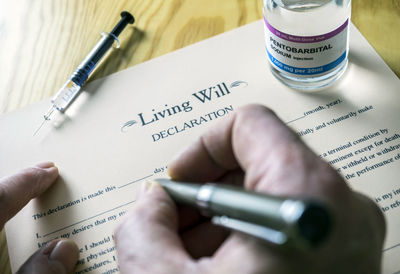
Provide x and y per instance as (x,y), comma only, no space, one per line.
(307,41)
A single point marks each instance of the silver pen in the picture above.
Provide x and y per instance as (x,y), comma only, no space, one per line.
(274,219)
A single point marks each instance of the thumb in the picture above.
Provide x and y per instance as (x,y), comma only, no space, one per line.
(58,257)
(150,230)
(18,189)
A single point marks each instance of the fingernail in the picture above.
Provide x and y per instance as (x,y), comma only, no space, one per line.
(45,165)
(148,187)
(66,253)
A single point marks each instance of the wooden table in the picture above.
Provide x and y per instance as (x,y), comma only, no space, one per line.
(41,42)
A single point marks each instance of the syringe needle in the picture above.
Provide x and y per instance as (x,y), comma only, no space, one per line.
(71,87)
(44,121)
(46,117)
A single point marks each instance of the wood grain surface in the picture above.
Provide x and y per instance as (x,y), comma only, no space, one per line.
(42,41)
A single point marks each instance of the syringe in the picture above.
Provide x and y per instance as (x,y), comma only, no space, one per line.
(70,89)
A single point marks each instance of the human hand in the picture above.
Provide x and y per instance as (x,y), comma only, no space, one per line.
(253,148)
(59,256)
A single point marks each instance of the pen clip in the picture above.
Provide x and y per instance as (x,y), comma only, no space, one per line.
(258,231)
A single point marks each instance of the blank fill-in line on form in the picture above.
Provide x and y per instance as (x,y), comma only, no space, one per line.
(294,120)
(87,219)
(135,181)
(68,226)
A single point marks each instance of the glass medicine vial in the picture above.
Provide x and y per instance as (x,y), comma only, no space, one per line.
(307,41)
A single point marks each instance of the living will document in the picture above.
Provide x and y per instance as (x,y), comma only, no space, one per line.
(123,129)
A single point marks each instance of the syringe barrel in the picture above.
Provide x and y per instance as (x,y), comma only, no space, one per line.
(88,65)
(100,50)
(64,97)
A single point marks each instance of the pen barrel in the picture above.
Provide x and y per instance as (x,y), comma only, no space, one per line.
(185,194)
(302,220)
(248,206)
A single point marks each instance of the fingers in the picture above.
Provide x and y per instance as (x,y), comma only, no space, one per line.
(208,158)
(373,214)
(17,190)
(371,239)
(255,140)
(255,143)
(203,239)
(149,231)
(190,217)
(216,152)
(58,257)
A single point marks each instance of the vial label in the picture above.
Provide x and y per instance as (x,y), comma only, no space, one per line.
(305,56)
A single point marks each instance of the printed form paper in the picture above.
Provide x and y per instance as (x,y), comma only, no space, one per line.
(124,129)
